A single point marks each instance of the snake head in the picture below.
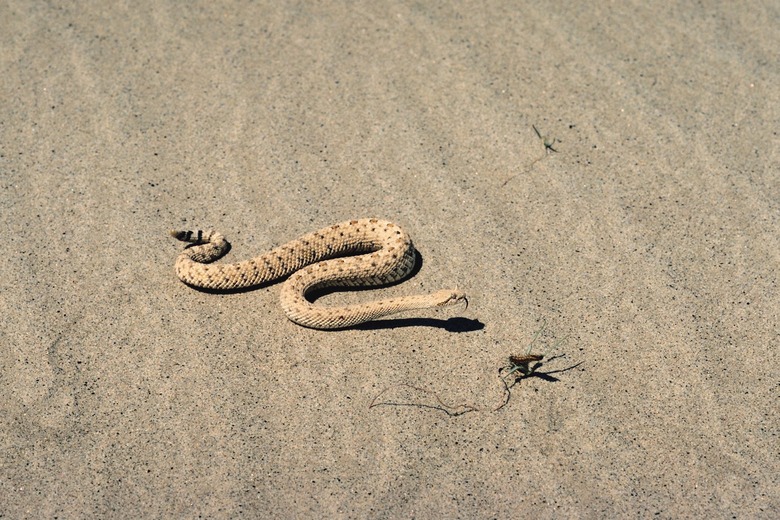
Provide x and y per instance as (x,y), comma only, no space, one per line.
(451,297)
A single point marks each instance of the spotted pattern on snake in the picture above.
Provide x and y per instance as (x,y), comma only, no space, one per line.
(384,254)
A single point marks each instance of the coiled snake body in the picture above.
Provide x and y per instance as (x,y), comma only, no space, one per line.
(384,252)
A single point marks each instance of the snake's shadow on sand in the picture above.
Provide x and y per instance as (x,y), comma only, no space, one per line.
(450,325)
(457,324)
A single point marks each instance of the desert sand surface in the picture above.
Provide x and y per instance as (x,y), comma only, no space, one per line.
(609,170)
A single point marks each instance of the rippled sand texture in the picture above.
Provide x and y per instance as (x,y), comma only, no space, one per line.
(611,171)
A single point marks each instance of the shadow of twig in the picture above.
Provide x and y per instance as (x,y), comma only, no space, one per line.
(461,409)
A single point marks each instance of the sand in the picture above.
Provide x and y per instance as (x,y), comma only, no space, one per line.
(640,224)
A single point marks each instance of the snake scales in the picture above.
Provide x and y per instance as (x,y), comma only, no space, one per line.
(383,254)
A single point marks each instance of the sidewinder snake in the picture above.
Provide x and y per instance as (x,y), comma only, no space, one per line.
(385,254)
